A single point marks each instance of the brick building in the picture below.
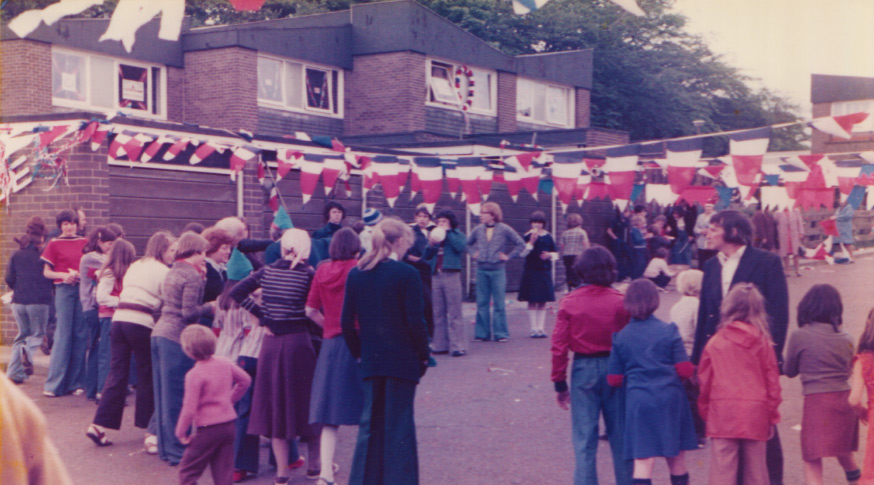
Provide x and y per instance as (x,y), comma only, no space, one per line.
(384,78)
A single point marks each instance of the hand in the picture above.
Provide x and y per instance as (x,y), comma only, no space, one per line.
(71,277)
(267,331)
(503,257)
(564,399)
(412,258)
(209,307)
(544,256)
(772,431)
(184,439)
(862,411)
(534,236)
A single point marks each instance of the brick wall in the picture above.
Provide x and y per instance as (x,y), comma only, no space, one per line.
(506,102)
(175,94)
(25,77)
(598,137)
(278,122)
(221,88)
(582,106)
(385,93)
(824,143)
(88,177)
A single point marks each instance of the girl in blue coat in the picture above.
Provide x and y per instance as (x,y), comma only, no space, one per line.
(648,357)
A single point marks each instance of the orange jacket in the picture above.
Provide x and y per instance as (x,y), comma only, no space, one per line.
(740,384)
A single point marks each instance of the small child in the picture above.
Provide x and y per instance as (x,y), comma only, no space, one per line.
(862,392)
(822,353)
(740,389)
(684,314)
(648,355)
(212,387)
(657,270)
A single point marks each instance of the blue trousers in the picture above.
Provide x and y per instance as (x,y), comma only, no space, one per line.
(31,320)
(386,453)
(99,353)
(67,366)
(590,397)
(491,285)
(169,366)
(246,446)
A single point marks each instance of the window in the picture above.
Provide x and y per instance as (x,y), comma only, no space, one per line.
(542,103)
(850,107)
(82,80)
(297,86)
(442,92)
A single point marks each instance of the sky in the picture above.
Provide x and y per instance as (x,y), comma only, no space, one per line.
(783,42)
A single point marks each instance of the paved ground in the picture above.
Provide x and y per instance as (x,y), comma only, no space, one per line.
(489,417)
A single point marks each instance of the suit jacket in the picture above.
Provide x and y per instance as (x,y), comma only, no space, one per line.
(762,268)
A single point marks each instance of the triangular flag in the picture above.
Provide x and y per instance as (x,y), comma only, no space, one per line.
(130,15)
(750,142)
(176,148)
(310,169)
(630,6)
(429,172)
(839,126)
(282,220)
(522,7)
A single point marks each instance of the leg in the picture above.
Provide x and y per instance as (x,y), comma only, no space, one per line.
(174,365)
(246,446)
(104,353)
(813,472)
(139,339)
(195,459)
(369,448)
(280,453)
(314,454)
(613,407)
(483,313)
(755,470)
(92,325)
(221,464)
(80,347)
(643,468)
(585,405)
(457,329)
(677,464)
(723,461)
(532,318)
(16,371)
(499,293)
(58,379)
(775,459)
(111,406)
(326,453)
(401,460)
(440,341)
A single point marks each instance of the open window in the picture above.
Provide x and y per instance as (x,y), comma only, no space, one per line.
(296,86)
(454,85)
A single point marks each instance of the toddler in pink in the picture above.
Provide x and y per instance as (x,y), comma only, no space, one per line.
(206,422)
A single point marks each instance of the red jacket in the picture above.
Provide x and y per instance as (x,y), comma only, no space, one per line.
(587,319)
(326,293)
(740,384)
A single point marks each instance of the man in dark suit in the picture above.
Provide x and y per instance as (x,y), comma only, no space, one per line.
(730,233)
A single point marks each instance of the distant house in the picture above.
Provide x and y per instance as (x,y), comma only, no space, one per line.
(841,95)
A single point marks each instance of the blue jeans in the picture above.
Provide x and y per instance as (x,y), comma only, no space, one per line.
(67,366)
(169,366)
(97,363)
(491,284)
(31,320)
(591,396)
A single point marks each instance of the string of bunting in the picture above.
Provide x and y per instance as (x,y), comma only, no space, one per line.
(576,175)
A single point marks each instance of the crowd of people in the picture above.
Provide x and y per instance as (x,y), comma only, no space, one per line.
(713,371)
(228,338)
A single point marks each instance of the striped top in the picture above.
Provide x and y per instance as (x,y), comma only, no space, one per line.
(283,297)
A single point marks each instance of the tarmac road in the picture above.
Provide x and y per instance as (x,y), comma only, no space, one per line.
(488,417)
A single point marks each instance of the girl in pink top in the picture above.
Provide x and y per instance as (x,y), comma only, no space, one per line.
(206,422)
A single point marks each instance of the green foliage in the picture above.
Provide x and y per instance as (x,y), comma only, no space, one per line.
(650,77)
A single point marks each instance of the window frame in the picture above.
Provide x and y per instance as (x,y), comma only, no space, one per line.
(570,103)
(331,74)
(493,81)
(87,104)
(866,126)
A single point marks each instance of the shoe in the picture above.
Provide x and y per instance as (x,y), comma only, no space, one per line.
(458,353)
(322,481)
(46,346)
(478,339)
(534,334)
(503,339)
(439,352)
(26,363)
(314,474)
(299,463)
(542,335)
(240,475)
(281,480)
(49,394)
(17,382)
(79,392)
(151,444)
(97,436)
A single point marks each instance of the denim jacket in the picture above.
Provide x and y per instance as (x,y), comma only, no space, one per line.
(486,251)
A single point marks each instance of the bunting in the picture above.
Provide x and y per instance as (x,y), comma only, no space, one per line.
(838,126)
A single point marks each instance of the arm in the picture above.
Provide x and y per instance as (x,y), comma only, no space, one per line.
(684,368)
(586,243)
(192,308)
(242,293)
(790,365)
(517,242)
(347,318)
(858,391)
(104,290)
(253,245)
(615,366)
(241,382)
(314,303)
(10,276)
(456,241)
(560,349)
(48,272)
(705,383)
(772,381)
(193,387)
(414,315)
(776,296)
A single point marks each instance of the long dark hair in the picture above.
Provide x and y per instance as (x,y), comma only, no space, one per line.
(34,233)
(866,340)
(99,234)
(119,259)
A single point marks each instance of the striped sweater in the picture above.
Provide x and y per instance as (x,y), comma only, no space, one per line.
(283,298)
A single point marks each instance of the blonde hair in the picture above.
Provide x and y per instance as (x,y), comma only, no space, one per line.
(389,231)
(638,221)
(198,342)
(866,340)
(689,282)
(234,226)
(494,209)
(744,303)
(299,241)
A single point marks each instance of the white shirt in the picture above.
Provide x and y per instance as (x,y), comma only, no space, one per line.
(656,267)
(729,267)
(685,314)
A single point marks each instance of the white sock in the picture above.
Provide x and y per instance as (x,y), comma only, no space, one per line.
(326,450)
(541,319)
(532,318)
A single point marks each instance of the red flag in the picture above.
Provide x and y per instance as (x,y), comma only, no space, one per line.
(247,5)
(621,185)
(747,168)
(829,227)
(680,178)
(47,137)
(698,193)
(176,148)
